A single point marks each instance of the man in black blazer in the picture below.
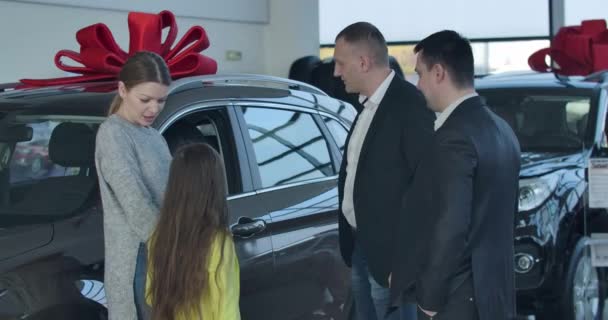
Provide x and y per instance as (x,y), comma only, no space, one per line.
(383,150)
(466,190)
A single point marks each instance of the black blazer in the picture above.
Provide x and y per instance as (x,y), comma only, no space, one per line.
(399,132)
(466,195)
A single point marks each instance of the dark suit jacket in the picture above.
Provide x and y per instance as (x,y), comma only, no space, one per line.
(399,132)
(466,193)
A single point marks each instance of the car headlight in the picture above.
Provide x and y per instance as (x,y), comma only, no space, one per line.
(533,192)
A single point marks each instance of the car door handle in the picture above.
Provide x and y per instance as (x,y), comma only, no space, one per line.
(247,227)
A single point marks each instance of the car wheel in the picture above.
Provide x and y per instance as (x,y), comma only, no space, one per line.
(583,291)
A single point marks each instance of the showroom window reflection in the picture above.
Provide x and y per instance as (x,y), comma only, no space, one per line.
(490,57)
(288,145)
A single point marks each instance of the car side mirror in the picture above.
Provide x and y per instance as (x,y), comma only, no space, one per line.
(16,133)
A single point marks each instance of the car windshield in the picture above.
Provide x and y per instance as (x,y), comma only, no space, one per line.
(543,121)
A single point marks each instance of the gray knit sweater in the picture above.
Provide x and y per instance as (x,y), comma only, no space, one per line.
(133,167)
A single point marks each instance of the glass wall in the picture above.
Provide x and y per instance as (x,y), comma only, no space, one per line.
(490,57)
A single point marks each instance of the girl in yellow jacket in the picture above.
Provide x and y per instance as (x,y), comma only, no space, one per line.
(193,271)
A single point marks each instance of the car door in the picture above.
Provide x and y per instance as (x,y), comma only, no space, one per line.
(295,177)
(51,238)
(215,123)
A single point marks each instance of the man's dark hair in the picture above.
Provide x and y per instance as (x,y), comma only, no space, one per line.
(365,32)
(453,52)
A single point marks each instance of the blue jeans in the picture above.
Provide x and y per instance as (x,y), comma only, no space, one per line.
(139,283)
(372,299)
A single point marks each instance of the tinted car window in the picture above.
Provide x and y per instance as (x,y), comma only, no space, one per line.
(342,110)
(543,121)
(30,159)
(338,132)
(213,128)
(289,146)
(51,175)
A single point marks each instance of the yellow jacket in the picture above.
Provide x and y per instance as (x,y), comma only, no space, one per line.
(221,299)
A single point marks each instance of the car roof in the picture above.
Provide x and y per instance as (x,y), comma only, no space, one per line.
(79,99)
(94,98)
(531,79)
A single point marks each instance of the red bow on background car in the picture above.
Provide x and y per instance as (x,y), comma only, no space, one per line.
(577,50)
(101,57)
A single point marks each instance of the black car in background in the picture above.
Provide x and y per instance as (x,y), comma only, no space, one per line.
(560,124)
(281,142)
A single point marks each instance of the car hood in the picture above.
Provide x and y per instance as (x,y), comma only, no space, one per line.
(540,163)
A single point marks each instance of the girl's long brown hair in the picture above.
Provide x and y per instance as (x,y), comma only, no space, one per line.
(193,214)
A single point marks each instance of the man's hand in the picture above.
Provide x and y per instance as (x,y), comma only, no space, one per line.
(428,313)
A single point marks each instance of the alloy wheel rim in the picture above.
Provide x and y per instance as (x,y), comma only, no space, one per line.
(585,290)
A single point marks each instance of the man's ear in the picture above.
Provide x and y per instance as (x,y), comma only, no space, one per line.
(366,63)
(122,90)
(438,72)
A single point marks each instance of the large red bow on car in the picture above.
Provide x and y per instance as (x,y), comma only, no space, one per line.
(577,50)
(101,58)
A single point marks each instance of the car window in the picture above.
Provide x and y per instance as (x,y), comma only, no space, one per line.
(288,145)
(343,110)
(338,132)
(30,159)
(213,128)
(577,113)
(548,121)
(5,155)
(51,175)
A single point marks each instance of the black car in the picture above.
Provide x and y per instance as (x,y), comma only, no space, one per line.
(560,124)
(281,142)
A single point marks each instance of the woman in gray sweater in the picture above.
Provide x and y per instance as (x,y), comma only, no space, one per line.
(132,162)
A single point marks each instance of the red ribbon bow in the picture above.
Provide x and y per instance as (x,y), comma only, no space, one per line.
(101,57)
(577,50)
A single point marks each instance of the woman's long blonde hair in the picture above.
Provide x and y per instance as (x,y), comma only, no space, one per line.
(143,66)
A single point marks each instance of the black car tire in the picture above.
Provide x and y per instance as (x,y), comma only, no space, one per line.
(575,286)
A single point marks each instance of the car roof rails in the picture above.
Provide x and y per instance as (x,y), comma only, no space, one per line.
(9,86)
(510,75)
(563,79)
(248,80)
(599,76)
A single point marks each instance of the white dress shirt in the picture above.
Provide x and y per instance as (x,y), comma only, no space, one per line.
(356,142)
(443,116)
